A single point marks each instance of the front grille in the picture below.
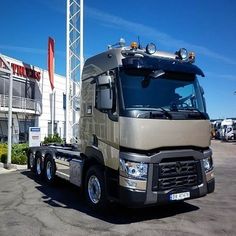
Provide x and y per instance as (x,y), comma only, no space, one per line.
(177,168)
(176,174)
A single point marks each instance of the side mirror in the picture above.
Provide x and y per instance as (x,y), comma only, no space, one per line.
(104,99)
(104,93)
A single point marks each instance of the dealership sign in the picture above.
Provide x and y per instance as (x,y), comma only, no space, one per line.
(23,71)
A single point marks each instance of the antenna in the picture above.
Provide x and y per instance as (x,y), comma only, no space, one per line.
(139,44)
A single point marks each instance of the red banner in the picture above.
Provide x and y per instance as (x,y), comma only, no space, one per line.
(51,43)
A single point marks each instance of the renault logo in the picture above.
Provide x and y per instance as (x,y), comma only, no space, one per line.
(178,167)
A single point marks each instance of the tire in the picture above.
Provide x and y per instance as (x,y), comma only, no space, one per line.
(95,191)
(38,166)
(50,170)
(31,162)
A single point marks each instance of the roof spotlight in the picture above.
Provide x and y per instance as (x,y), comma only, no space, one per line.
(122,42)
(183,54)
(151,48)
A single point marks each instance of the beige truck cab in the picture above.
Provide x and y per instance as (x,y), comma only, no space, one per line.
(144,120)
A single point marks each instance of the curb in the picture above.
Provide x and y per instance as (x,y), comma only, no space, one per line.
(13,166)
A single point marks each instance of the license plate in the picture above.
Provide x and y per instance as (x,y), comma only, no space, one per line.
(179,196)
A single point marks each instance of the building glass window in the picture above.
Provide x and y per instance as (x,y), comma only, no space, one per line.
(24,129)
(3,130)
(24,89)
(21,88)
(50,128)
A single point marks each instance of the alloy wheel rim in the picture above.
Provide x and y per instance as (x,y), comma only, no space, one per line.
(31,160)
(49,170)
(94,189)
(38,166)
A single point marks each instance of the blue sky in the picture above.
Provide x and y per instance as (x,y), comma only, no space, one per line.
(204,26)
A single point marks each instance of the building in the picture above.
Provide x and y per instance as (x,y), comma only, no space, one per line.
(32,102)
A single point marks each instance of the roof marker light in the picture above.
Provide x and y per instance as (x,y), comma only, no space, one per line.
(134,45)
(191,57)
(151,48)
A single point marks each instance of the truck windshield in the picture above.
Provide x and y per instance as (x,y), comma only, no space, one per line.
(168,91)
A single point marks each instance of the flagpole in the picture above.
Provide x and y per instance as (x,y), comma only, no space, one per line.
(53,93)
(53,109)
(51,71)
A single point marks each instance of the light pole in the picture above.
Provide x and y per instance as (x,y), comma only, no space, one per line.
(8,70)
(9,122)
(74,64)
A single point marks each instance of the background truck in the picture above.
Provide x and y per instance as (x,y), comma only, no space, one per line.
(228,130)
(144,131)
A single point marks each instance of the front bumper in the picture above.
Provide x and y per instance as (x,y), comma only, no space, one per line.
(132,198)
(150,192)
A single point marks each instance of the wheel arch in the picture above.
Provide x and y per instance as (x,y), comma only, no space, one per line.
(92,157)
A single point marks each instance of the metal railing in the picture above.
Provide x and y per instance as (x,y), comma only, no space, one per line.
(26,104)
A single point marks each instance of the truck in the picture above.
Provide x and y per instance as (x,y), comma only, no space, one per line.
(228,130)
(144,131)
(216,129)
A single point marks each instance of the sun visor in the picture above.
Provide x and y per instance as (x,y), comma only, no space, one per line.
(161,64)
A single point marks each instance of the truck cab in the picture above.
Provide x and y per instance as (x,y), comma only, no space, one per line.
(144,124)
(228,130)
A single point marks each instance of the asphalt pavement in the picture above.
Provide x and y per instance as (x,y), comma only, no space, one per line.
(30,207)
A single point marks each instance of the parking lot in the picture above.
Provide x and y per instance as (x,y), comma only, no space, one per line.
(29,207)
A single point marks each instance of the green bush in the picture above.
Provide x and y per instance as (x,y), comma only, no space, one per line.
(52,139)
(3,152)
(18,153)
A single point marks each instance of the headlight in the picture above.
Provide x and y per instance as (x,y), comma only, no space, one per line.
(133,170)
(208,163)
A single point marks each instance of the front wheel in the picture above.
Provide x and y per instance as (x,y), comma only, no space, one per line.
(95,188)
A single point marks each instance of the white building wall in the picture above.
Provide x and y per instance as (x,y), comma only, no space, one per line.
(59,112)
(43,93)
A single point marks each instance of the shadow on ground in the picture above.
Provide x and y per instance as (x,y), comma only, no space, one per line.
(64,194)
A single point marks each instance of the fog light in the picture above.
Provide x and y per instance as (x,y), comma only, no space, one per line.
(131,183)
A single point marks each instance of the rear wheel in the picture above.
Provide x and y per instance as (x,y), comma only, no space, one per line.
(31,162)
(95,188)
(38,166)
(50,170)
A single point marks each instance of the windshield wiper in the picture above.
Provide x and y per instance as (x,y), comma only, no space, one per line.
(152,110)
(165,112)
(202,114)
